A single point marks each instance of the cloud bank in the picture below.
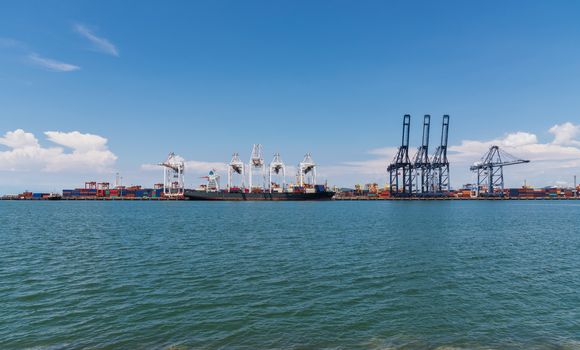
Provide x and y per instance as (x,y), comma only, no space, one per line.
(73,151)
(100,44)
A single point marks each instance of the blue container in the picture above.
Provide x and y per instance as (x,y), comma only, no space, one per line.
(37,195)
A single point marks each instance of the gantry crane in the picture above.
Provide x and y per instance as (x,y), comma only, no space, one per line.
(490,171)
(173,182)
(439,169)
(400,177)
(307,171)
(257,165)
(277,167)
(421,164)
(236,166)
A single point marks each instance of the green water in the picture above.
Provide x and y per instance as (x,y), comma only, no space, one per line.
(335,275)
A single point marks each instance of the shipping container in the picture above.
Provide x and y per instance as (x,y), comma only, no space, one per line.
(319,188)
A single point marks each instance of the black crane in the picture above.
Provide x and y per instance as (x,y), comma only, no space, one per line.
(400,180)
(421,164)
(439,170)
(490,171)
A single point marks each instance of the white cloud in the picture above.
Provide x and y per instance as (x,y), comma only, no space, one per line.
(565,134)
(100,44)
(51,64)
(87,152)
(78,141)
(19,139)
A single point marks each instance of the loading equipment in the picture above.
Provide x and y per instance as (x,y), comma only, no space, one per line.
(439,169)
(400,177)
(490,171)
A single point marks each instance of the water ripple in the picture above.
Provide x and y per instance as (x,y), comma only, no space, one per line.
(338,275)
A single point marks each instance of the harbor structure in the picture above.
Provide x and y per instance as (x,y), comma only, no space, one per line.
(424,176)
(277,174)
(173,178)
(439,167)
(490,171)
(400,169)
(277,189)
(236,170)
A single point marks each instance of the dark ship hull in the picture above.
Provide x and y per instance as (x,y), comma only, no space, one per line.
(263,196)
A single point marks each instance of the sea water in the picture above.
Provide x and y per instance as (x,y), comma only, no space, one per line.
(310,275)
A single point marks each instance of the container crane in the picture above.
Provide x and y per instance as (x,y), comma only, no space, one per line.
(213,181)
(307,171)
(490,171)
(277,167)
(173,181)
(236,166)
(421,164)
(256,165)
(400,177)
(439,170)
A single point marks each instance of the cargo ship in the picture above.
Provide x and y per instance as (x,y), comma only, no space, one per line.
(258,171)
(201,195)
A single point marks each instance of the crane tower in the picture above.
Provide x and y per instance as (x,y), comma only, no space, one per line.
(421,164)
(213,181)
(276,169)
(173,183)
(307,171)
(236,167)
(490,171)
(439,169)
(257,166)
(400,178)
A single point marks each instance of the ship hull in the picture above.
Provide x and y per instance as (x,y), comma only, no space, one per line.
(265,196)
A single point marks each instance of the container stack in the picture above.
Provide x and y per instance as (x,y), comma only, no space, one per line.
(133,192)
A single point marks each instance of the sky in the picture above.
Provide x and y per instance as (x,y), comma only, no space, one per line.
(92,88)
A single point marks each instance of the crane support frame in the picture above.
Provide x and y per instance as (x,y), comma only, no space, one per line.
(400,169)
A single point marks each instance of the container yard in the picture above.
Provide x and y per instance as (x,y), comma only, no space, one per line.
(468,192)
(99,191)
(102,190)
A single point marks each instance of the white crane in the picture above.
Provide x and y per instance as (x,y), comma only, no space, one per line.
(173,182)
(277,166)
(213,181)
(257,166)
(307,171)
(236,166)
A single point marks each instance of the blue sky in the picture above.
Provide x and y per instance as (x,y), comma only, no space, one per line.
(205,79)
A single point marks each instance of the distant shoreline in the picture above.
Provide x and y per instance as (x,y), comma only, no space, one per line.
(339,198)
